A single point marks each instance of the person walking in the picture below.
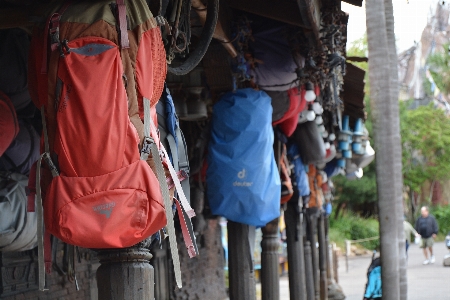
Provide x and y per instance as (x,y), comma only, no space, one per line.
(427,227)
(409,230)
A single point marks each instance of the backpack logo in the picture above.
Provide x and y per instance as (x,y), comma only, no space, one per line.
(241,174)
(105,209)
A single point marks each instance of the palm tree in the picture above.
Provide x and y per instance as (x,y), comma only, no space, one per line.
(394,89)
(384,101)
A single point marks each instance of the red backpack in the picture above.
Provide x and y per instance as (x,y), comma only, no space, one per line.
(87,74)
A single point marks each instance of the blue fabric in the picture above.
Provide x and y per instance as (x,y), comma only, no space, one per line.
(332,169)
(243,183)
(373,289)
(328,208)
(301,178)
(172,122)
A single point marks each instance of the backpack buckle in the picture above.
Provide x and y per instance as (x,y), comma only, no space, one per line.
(146,147)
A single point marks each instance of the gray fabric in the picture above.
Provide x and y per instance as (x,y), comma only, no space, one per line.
(310,143)
(17,226)
(280,103)
(23,151)
(91,49)
(183,163)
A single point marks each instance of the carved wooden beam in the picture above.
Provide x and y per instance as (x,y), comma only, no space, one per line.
(281,10)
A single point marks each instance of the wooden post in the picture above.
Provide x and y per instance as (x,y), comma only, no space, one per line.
(328,247)
(241,273)
(270,279)
(296,259)
(311,235)
(161,265)
(323,250)
(125,274)
(347,253)
(335,264)
(310,291)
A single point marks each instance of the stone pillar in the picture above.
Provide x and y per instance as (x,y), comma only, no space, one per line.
(241,273)
(323,250)
(125,274)
(270,279)
(296,260)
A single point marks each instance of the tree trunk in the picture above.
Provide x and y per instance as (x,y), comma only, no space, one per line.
(393,87)
(385,124)
(433,182)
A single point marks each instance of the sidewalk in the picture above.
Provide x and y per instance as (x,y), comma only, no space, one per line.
(424,282)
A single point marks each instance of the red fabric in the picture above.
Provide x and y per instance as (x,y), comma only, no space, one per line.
(120,208)
(150,64)
(9,125)
(104,190)
(288,122)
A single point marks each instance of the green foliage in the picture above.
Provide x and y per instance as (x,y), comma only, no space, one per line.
(359,191)
(426,145)
(442,215)
(353,227)
(439,64)
(359,48)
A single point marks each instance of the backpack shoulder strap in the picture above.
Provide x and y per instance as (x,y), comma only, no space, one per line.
(122,20)
(148,147)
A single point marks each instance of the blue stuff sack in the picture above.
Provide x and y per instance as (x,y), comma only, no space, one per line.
(299,177)
(243,184)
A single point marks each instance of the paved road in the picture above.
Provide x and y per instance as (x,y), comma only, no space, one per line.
(430,282)
(424,282)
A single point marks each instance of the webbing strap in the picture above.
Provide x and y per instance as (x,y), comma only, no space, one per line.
(184,203)
(170,224)
(47,252)
(40,226)
(122,19)
(44,129)
(46,154)
(187,230)
(160,174)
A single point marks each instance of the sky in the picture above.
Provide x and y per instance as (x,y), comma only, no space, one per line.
(410,20)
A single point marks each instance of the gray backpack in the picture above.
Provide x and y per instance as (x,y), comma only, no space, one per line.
(18,227)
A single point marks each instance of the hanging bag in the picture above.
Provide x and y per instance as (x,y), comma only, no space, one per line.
(243,183)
